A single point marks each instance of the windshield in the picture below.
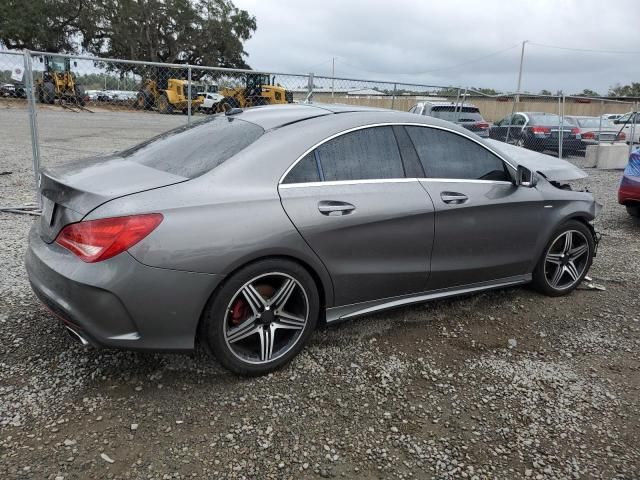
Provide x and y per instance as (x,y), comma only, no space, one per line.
(550,120)
(196,149)
(449,113)
(56,64)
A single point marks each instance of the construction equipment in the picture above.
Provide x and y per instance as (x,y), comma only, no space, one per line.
(258,89)
(166,94)
(59,82)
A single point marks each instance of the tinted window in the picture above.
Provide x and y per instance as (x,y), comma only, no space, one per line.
(196,149)
(452,113)
(306,170)
(370,153)
(449,155)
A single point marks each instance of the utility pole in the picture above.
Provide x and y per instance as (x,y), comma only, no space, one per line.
(333,73)
(520,71)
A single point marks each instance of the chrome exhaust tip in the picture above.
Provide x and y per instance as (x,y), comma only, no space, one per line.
(76,336)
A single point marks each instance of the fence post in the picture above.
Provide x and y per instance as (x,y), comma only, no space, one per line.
(33,121)
(189,95)
(309,98)
(393,98)
(513,110)
(632,129)
(560,130)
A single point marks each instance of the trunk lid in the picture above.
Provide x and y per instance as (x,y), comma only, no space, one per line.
(71,191)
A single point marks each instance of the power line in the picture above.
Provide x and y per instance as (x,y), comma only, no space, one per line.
(588,50)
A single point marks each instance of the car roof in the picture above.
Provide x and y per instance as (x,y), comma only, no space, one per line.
(275,116)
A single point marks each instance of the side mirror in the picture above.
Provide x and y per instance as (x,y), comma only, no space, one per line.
(525,177)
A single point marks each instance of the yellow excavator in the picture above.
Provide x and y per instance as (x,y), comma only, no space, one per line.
(258,89)
(166,94)
(59,82)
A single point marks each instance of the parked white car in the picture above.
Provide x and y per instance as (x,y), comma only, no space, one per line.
(629,124)
(210,101)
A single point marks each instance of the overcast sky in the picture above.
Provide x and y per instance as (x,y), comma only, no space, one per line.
(440,42)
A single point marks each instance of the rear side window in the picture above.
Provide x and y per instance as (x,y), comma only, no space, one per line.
(449,155)
(371,153)
(196,149)
(305,171)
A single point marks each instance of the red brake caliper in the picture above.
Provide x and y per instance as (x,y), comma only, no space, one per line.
(239,311)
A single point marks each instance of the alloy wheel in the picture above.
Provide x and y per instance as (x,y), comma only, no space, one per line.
(566,260)
(266,318)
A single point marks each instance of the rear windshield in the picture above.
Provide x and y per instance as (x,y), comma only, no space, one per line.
(550,120)
(453,114)
(593,122)
(196,149)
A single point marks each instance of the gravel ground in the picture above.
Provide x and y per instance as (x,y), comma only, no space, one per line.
(505,384)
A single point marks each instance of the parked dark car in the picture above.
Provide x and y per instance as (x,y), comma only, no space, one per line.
(629,191)
(537,131)
(466,115)
(247,229)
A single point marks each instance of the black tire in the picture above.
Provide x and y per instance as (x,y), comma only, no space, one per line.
(79,93)
(48,93)
(144,100)
(217,315)
(633,210)
(226,104)
(541,274)
(163,104)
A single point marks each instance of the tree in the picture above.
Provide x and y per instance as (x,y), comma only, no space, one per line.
(545,92)
(618,90)
(198,32)
(587,93)
(46,25)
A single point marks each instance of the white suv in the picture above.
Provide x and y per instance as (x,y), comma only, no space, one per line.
(466,115)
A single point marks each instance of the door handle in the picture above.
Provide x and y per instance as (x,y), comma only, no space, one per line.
(453,197)
(335,208)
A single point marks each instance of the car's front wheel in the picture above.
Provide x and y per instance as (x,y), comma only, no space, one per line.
(633,210)
(566,259)
(261,317)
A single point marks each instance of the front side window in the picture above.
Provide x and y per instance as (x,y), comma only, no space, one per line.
(446,154)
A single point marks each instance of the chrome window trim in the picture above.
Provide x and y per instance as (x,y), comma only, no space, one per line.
(391,180)
(387,124)
(347,182)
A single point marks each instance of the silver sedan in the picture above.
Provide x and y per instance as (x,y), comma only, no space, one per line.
(246,230)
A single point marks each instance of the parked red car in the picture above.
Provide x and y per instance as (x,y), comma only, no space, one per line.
(629,191)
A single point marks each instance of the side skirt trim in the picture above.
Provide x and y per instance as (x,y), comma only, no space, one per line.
(345,312)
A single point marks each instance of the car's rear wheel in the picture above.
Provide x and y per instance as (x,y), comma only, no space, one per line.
(261,317)
(566,259)
(633,210)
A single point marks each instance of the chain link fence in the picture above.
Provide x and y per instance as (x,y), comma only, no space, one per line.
(81,106)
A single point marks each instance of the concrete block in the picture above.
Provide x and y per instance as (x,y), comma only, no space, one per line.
(607,156)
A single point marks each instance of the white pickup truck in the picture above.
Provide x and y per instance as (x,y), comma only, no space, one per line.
(211,99)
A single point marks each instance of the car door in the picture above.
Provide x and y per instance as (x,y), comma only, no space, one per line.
(370,224)
(486,227)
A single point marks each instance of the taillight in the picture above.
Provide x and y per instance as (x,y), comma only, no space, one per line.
(539,129)
(621,136)
(575,131)
(589,135)
(97,240)
(482,125)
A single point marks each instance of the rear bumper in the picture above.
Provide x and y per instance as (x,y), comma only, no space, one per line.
(120,302)
(554,144)
(629,191)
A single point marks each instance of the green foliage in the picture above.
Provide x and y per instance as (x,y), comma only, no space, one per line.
(618,90)
(198,32)
(545,92)
(587,93)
